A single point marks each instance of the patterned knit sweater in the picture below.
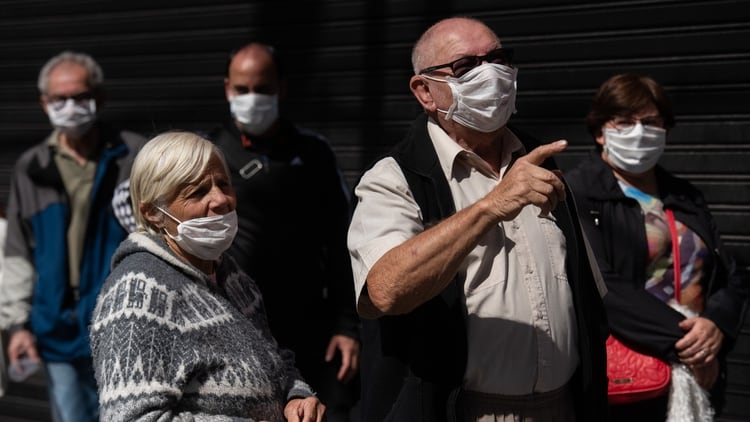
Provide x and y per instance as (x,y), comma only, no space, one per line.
(170,344)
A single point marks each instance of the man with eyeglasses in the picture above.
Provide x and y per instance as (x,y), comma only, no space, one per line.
(478,297)
(67,196)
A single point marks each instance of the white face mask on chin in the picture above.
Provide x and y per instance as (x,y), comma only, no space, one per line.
(74,118)
(205,237)
(484,98)
(636,149)
(254,113)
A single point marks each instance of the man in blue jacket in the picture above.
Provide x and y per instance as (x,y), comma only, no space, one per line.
(63,227)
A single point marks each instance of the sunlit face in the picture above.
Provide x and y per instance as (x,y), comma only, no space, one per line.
(451,41)
(211,195)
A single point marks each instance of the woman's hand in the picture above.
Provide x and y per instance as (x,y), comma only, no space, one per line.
(702,342)
(309,409)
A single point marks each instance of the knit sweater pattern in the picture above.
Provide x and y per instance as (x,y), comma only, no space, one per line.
(170,344)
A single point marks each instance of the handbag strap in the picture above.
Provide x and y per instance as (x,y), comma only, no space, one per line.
(675,254)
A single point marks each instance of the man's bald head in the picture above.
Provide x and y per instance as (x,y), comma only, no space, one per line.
(448,37)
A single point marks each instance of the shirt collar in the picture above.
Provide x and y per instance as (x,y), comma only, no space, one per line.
(451,153)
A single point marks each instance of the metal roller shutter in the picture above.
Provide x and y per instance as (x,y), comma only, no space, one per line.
(349,64)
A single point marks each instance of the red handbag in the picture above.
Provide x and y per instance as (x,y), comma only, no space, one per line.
(634,376)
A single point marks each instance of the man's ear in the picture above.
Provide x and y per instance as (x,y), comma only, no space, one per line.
(421,91)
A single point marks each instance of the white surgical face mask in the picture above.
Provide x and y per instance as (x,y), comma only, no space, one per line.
(75,118)
(205,237)
(483,98)
(635,149)
(255,113)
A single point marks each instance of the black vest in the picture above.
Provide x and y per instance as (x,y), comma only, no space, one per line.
(413,364)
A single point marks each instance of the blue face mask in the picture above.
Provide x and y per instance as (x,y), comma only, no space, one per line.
(205,237)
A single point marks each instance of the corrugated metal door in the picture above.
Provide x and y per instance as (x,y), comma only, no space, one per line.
(349,67)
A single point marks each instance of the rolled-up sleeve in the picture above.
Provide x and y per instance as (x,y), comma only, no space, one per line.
(385,216)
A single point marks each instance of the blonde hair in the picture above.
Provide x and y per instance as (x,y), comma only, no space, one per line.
(164,165)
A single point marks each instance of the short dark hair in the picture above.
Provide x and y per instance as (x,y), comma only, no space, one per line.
(624,95)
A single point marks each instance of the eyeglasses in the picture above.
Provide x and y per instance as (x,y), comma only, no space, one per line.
(58,101)
(623,123)
(460,66)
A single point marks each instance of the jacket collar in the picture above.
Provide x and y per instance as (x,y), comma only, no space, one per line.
(601,184)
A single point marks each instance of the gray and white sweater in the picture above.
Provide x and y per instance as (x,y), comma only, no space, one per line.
(170,344)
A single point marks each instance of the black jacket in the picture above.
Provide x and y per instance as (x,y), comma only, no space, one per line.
(615,226)
(293,212)
(413,364)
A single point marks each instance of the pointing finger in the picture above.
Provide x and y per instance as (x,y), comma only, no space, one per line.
(542,152)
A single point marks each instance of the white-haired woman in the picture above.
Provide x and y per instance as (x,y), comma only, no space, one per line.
(179,332)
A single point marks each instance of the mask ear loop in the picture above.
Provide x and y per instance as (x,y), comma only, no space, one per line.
(168,214)
(173,218)
(452,108)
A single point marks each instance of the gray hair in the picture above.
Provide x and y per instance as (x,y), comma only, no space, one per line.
(165,164)
(96,76)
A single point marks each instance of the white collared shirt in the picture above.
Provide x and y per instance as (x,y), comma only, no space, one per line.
(521,326)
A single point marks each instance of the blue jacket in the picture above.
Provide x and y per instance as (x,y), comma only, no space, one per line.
(37,292)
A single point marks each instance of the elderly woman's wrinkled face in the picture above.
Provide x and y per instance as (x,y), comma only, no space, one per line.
(211,195)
